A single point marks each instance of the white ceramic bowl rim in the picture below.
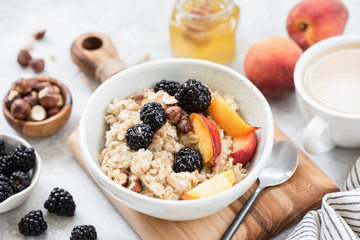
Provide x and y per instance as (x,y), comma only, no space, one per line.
(313,51)
(94,167)
(35,174)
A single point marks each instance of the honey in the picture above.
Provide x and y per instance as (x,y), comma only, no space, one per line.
(204,29)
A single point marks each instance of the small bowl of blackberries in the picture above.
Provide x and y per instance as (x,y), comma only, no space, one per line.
(20,168)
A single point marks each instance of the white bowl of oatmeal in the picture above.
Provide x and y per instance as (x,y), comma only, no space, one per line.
(112,111)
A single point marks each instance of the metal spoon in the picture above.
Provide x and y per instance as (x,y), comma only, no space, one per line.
(281,165)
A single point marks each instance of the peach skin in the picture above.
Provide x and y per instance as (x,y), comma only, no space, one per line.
(313,20)
(270,64)
(209,138)
(228,119)
(244,148)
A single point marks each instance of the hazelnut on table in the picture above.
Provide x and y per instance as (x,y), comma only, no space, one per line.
(37,65)
(24,58)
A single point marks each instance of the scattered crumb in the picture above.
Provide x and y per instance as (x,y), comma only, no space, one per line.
(39,35)
(52,57)
(30,46)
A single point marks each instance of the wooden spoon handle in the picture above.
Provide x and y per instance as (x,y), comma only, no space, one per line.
(95,54)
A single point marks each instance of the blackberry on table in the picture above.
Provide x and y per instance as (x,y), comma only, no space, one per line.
(171,87)
(193,96)
(153,114)
(5,190)
(139,136)
(83,232)
(2,147)
(60,202)
(187,160)
(19,181)
(32,224)
(23,158)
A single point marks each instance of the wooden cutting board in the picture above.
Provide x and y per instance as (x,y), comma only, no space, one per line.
(276,208)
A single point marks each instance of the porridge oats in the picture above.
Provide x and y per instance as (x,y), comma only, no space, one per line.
(175,146)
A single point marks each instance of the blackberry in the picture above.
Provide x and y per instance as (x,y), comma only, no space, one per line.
(153,114)
(139,136)
(32,224)
(193,96)
(83,232)
(3,178)
(2,147)
(187,160)
(5,190)
(19,181)
(171,87)
(60,202)
(6,164)
(23,158)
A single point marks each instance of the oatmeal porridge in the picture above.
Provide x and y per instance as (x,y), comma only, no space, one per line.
(168,141)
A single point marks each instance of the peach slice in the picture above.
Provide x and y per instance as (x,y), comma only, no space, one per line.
(228,119)
(244,148)
(218,183)
(209,138)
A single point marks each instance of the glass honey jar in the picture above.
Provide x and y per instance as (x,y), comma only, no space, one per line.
(204,29)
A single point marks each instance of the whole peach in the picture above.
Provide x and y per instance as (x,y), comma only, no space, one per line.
(270,64)
(313,20)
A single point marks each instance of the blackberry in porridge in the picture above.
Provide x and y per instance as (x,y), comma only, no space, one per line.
(177,142)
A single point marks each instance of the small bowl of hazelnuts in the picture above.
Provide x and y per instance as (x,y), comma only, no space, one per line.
(37,107)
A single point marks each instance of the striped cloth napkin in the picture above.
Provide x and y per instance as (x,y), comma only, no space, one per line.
(339,216)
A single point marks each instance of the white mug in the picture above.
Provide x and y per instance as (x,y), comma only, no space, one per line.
(327,127)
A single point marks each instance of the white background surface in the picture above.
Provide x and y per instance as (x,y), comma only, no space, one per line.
(137,28)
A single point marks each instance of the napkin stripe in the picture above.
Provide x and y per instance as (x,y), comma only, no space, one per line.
(339,216)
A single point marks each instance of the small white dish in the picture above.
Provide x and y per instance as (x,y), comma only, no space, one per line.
(253,106)
(11,142)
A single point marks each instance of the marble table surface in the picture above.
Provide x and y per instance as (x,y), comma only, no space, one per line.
(138,28)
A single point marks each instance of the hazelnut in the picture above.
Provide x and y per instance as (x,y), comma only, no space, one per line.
(39,85)
(32,98)
(37,65)
(12,96)
(20,109)
(24,58)
(39,35)
(60,103)
(174,113)
(183,126)
(49,97)
(122,178)
(52,111)
(140,95)
(37,113)
(134,184)
(22,86)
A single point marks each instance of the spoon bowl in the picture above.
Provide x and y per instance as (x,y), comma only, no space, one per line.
(281,164)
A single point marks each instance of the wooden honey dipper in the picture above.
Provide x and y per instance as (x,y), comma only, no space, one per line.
(95,54)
